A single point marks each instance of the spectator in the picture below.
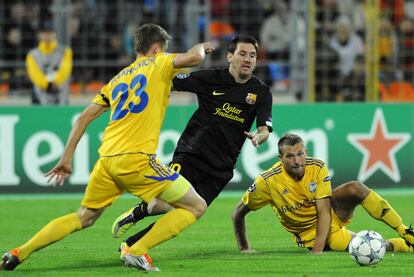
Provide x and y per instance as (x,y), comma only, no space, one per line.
(275,33)
(220,29)
(221,33)
(355,10)
(347,44)
(49,67)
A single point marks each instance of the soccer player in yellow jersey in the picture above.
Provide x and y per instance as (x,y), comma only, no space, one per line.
(137,98)
(299,190)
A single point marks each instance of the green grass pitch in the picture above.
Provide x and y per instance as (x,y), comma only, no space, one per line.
(207,248)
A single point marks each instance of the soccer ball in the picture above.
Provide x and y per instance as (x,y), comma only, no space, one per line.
(367,248)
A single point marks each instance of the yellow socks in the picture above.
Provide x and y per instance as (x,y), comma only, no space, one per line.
(54,231)
(167,227)
(379,208)
(400,245)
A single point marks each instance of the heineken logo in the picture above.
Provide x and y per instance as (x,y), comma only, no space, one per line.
(379,147)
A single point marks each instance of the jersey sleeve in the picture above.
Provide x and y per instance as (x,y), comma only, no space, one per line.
(187,82)
(35,73)
(102,98)
(166,60)
(323,187)
(264,111)
(257,195)
(65,68)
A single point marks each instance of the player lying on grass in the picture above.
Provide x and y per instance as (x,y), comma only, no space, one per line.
(137,98)
(229,99)
(299,190)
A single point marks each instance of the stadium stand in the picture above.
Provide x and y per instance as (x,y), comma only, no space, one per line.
(296,61)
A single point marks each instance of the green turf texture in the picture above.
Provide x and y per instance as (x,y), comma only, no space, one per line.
(207,248)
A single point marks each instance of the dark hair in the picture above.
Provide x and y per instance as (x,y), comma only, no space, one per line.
(288,139)
(242,38)
(147,35)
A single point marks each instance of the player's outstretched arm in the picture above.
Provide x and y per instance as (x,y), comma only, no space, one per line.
(193,56)
(239,227)
(259,137)
(323,207)
(64,167)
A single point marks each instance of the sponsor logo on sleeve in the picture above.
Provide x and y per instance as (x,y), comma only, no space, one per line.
(182,75)
(252,188)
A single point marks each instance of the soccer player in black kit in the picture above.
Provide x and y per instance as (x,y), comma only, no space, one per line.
(229,100)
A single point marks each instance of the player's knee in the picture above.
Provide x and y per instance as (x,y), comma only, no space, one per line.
(199,207)
(87,217)
(357,189)
(192,202)
(157,206)
(152,206)
(87,222)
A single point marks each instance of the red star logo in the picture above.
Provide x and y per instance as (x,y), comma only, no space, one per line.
(379,148)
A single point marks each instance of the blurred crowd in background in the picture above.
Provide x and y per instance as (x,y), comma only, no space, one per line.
(100,34)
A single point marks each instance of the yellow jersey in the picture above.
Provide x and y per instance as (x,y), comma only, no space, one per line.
(138,97)
(293,201)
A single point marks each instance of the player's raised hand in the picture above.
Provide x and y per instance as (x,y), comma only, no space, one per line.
(254,137)
(208,47)
(58,174)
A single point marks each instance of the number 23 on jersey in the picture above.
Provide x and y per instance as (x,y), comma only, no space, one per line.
(123,90)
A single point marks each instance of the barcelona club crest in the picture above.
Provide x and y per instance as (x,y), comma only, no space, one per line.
(251,98)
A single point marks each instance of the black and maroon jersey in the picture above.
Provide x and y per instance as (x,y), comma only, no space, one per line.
(225,110)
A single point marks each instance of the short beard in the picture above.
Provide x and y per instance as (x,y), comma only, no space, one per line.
(245,76)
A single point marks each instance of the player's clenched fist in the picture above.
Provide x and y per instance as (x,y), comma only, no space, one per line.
(208,47)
